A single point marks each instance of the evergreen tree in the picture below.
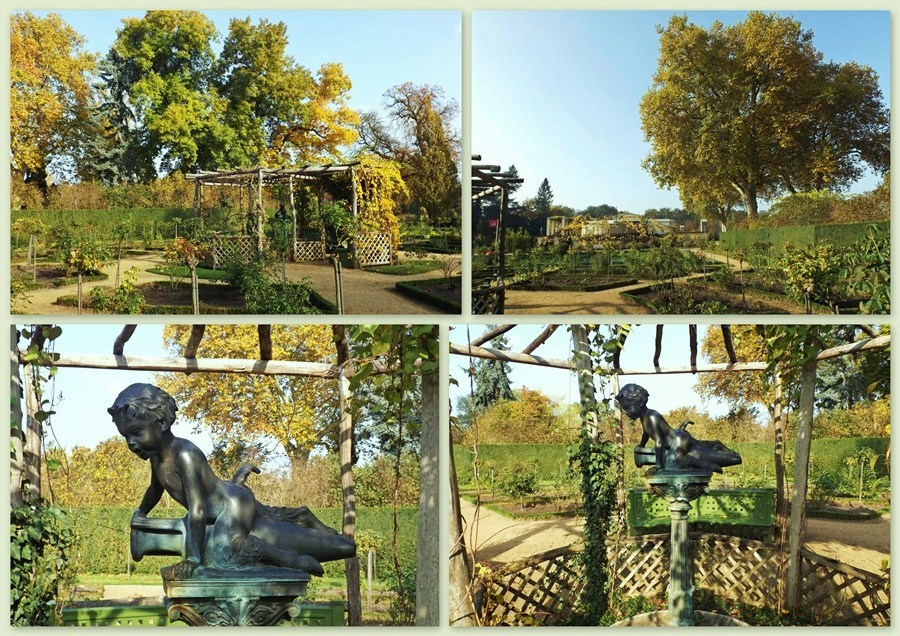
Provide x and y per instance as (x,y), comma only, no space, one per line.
(543,200)
(492,378)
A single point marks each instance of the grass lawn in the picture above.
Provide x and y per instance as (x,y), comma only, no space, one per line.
(182,271)
(407,268)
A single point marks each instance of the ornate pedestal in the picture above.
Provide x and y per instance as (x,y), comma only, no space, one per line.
(680,488)
(224,598)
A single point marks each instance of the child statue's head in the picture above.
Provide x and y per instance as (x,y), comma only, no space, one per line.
(142,413)
(633,399)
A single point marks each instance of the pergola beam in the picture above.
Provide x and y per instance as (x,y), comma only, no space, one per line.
(510,356)
(203,365)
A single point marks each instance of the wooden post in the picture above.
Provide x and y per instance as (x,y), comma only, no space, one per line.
(293,218)
(33,435)
(17,433)
(797,524)
(501,250)
(584,370)
(345,448)
(428,595)
(260,212)
(462,611)
(781,525)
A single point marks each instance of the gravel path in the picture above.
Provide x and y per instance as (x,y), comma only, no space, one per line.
(365,292)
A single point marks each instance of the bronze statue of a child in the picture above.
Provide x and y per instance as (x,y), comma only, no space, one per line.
(674,449)
(243,533)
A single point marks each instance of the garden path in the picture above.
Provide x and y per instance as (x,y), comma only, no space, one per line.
(862,544)
(364,292)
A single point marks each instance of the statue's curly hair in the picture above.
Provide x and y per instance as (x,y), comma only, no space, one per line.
(633,394)
(140,400)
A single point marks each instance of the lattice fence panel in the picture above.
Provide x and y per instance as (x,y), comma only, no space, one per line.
(738,568)
(842,595)
(225,248)
(373,249)
(309,250)
(641,565)
(546,591)
(488,301)
(543,593)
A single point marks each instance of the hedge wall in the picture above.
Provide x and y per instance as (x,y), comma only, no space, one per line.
(102,539)
(553,459)
(839,235)
(102,217)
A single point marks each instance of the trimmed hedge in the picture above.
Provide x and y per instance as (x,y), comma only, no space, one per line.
(418,289)
(102,539)
(552,460)
(838,235)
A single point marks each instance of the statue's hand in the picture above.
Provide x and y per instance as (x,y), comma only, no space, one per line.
(184,569)
(138,514)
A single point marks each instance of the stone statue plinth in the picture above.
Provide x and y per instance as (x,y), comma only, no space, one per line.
(228,598)
(680,488)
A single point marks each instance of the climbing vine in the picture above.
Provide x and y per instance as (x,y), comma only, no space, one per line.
(597,459)
(380,191)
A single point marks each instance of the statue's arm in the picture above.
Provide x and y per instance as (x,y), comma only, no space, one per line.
(151,497)
(189,465)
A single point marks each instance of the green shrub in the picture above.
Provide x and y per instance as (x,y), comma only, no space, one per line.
(41,539)
(519,480)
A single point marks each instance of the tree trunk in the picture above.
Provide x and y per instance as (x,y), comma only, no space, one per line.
(17,434)
(351,566)
(428,586)
(119,264)
(462,610)
(801,478)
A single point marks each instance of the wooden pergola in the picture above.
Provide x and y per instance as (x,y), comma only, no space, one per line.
(29,450)
(254,179)
(792,528)
(489,181)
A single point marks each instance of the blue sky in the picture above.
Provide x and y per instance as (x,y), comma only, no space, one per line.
(556,93)
(379,49)
(666,391)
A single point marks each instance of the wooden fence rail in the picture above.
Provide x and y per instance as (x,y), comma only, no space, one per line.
(545,588)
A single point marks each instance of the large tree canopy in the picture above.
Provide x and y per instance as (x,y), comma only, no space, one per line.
(751,110)
(50,93)
(294,413)
(420,134)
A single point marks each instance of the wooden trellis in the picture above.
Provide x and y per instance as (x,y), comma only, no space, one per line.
(227,248)
(373,249)
(309,250)
(545,588)
(488,300)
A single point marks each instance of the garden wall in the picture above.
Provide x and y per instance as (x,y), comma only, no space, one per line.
(552,460)
(102,539)
(838,235)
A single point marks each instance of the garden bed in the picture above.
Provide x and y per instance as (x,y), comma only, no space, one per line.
(438,292)
(162,297)
(50,275)
(710,299)
(579,284)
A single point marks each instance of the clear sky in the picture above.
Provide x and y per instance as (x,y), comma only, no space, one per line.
(666,391)
(379,49)
(557,92)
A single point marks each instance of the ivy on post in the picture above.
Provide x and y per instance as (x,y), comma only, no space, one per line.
(596,459)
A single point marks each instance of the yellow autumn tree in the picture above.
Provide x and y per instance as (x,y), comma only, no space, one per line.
(240,411)
(50,93)
(108,475)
